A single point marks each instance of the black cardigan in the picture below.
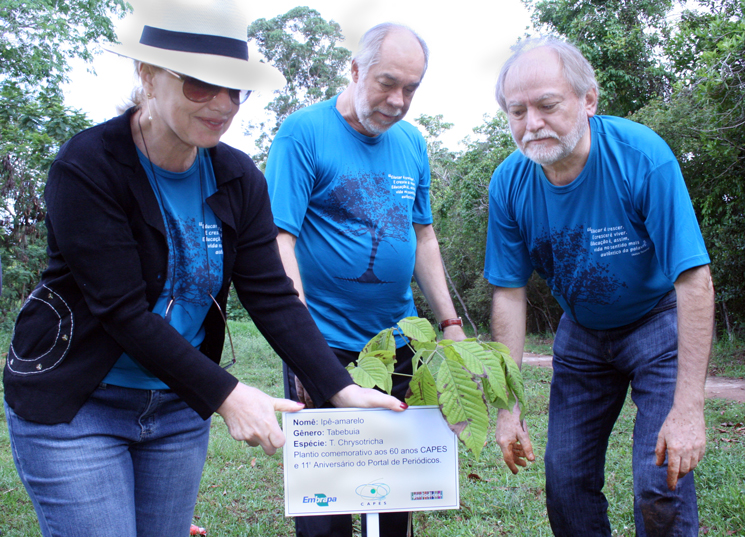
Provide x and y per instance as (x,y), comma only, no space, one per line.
(108,258)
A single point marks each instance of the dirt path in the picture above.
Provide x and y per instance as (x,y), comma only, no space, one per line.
(719,387)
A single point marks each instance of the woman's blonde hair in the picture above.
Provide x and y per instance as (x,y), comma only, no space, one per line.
(138,96)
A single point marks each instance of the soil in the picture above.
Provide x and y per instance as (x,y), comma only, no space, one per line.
(716,387)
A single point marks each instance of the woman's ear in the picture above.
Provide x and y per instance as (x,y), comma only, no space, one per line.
(146,73)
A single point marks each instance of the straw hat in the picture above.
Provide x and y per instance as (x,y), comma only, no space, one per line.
(204,39)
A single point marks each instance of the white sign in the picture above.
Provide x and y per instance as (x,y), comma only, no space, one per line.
(350,460)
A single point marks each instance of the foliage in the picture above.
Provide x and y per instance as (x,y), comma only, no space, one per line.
(36,42)
(303,46)
(460,206)
(620,38)
(38,37)
(704,123)
(37,126)
(471,375)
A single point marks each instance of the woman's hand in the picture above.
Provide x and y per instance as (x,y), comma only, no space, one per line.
(250,416)
(357,397)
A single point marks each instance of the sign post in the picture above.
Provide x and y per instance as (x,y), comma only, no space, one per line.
(343,461)
(373,525)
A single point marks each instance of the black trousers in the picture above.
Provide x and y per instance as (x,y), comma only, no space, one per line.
(391,524)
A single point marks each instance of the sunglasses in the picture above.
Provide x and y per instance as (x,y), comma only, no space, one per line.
(201,92)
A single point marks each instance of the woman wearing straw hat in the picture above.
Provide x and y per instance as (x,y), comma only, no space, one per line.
(114,367)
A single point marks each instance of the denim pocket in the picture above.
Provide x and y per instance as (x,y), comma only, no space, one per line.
(43,333)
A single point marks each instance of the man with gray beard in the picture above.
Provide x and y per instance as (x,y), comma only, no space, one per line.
(349,187)
(597,206)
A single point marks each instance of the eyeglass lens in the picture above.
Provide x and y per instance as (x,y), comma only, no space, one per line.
(200,92)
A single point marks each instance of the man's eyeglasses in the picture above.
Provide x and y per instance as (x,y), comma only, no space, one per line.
(201,92)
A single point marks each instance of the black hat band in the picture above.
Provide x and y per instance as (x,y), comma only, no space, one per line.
(198,43)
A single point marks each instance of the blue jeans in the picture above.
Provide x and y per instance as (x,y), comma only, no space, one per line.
(128,464)
(592,373)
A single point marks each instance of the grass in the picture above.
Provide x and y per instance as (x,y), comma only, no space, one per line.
(242,493)
(727,357)
(539,343)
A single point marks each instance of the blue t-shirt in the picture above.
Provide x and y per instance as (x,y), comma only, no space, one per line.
(193,230)
(611,243)
(350,200)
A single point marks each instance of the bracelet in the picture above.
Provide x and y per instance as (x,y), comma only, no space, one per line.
(449,322)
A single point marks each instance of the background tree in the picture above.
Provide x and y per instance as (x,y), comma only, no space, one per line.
(704,122)
(622,40)
(461,212)
(303,46)
(37,40)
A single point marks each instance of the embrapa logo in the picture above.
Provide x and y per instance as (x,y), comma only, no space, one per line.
(321,500)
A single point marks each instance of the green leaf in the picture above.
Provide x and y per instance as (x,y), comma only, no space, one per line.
(416,328)
(387,357)
(498,347)
(472,355)
(371,372)
(423,388)
(495,383)
(424,352)
(514,381)
(424,345)
(382,341)
(462,405)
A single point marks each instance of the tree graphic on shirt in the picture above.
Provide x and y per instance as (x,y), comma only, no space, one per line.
(193,277)
(363,204)
(560,258)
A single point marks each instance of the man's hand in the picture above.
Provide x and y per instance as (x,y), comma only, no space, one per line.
(354,396)
(683,437)
(454,332)
(512,436)
(250,416)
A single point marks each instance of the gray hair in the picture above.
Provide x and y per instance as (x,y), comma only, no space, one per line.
(369,52)
(577,70)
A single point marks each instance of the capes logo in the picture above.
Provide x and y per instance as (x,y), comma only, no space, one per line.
(373,491)
(321,500)
(373,494)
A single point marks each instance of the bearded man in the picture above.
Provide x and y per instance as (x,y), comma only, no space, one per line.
(349,187)
(598,207)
